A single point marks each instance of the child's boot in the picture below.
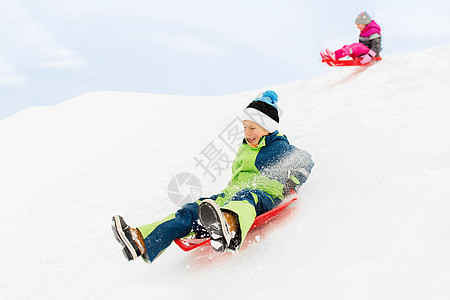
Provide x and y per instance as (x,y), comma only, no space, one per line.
(216,224)
(330,54)
(235,231)
(130,238)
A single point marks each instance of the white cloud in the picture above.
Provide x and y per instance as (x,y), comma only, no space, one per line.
(201,26)
(9,78)
(64,63)
(186,42)
(12,81)
(28,43)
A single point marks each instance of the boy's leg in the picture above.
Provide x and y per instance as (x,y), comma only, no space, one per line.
(159,235)
(246,205)
(240,212)
(130,238)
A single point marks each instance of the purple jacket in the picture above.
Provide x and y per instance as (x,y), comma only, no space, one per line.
(371,37)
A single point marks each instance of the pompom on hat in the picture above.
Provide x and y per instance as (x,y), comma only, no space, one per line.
(363,18)
(263,111)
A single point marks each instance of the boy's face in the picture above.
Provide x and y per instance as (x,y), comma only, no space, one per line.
(361,26)
(253,132)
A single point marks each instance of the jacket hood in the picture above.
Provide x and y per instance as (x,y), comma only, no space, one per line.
(370,29)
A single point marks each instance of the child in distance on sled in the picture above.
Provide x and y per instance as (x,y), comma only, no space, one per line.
(266,168)
(369,45)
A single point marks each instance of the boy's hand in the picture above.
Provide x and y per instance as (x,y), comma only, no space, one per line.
(292,184)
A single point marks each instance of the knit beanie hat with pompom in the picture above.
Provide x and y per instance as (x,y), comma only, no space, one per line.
(263,111)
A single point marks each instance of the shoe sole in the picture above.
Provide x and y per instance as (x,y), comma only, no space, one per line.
(212,219)
(118,225)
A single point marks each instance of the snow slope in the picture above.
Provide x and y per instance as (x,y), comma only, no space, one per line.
(373,221)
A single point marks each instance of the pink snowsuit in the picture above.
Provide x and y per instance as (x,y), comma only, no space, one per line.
(353,50)
(370,36)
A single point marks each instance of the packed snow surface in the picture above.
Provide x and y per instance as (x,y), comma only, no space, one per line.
(373,220)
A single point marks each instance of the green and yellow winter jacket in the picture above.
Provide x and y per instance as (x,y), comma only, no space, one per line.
(268,166)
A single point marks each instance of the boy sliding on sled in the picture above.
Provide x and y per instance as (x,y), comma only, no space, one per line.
(266,169)
(369,45)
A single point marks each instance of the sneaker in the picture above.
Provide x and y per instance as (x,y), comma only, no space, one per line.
(130,238)
(330,54)
(323,55)
(214,221)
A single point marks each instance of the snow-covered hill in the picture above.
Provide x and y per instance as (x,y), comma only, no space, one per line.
(373,221)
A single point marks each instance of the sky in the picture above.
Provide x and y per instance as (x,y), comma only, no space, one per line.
(54,50)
